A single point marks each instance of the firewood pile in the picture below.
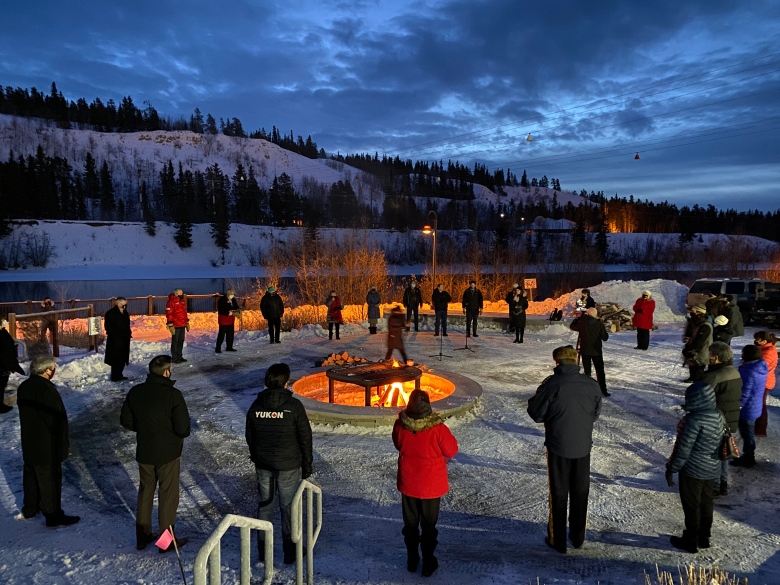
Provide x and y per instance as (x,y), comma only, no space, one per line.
(342,359)
(615,317)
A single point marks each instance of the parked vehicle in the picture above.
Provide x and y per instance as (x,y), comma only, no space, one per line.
(765,309)
(743,290)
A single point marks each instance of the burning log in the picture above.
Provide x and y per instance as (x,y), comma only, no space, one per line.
(340,359)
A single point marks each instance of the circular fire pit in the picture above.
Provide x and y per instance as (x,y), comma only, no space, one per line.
(451,395)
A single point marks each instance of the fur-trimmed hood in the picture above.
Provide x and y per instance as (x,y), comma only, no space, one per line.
(420,424)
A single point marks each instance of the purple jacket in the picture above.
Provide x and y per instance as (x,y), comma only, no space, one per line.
(753,376)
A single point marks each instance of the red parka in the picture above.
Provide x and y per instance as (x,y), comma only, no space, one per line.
(769,355)
(176,311)
(423,444)
(643,313)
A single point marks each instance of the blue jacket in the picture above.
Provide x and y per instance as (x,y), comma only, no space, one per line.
(753,383)
(699,435)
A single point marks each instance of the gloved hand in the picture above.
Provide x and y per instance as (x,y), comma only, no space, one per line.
(171,329)
(669,478)
(306,471)
(639,310)
(188,325)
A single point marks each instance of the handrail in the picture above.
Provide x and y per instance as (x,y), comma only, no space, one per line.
(311,534)
(211,553)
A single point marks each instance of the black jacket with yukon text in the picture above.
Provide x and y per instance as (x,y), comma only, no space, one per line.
(278,432)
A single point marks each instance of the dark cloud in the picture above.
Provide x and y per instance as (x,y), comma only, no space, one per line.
(454,79)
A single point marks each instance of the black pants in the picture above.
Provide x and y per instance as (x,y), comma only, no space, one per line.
(413,312)
(569,481)
(598,364)
(696,498)
(225,333)
(330,330)
(420,513)
(471,322)
(643,338)
(3,383)
(697,372)
(177,343)
(274,327)
(42,486)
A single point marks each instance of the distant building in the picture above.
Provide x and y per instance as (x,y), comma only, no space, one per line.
(547,225)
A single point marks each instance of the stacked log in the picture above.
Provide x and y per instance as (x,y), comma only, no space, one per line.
(343,359)
(615,317)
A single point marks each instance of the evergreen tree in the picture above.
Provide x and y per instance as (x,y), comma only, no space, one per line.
(524,180)
(220,218)
(107,203)
(211,125)
(196,122)
(282,200)
(150,226)
(602,242)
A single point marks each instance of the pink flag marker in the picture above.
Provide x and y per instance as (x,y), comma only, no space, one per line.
(165,540)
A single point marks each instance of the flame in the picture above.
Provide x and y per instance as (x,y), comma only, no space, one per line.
(396,364)
(392,395)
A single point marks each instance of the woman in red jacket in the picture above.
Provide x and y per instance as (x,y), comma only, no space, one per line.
(766,342)
(334,313)
(423,441)
(643,319)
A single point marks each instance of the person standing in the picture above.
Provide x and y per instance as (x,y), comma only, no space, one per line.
(423,442)
(472,307)
(568,403)
(697,343)
(592,334)
(373,300)
(48,322)
(156,412)
(227,311)
(766,343)
(45,443)
(753,371)
(722,329)
(9,363)
(177,322)
(272,308)
(279,437)
(440,299)
(585,302)
(695,458)
(727,384)
(644,307)
(118,335)
(413,302)
(396,325)
(334,314)
(734,315)
(518,305)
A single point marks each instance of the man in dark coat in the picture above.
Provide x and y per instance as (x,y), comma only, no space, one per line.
(568,403)
(9,363)
(227,311)
(45,443)
(373,300)
(734,315)
(592,333)
(118,335)
(727,384)
(413,302)
(695,457)
(395,334)
(156,412)
(440,299)
(472,307)
(278,434)
(697,343)
(272,308)
(518,305)
(585,302)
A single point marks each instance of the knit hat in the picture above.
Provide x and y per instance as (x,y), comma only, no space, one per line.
(271,288)
(419,405)
(721,320)
(646,293)
(699,309)
(515,285)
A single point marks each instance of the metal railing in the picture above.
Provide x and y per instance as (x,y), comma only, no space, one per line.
(311,532)
(210,554)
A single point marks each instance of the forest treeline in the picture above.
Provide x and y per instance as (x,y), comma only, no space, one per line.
(43,187)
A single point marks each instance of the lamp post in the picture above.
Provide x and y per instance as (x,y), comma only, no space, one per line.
(427,230)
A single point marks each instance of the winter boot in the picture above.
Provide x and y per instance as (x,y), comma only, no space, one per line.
(683,544)
(724,488)
(744,461)
(412,542)
(288,548)
(429,562)
(372,330)
(429,565)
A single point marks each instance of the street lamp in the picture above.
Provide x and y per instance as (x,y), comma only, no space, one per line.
(428,230)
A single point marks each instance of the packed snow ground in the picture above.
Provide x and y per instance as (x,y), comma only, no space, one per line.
(493,521)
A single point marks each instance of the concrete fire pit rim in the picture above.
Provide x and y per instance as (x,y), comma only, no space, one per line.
(467,393)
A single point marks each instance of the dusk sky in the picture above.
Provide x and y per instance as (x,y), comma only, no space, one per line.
(692,86)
